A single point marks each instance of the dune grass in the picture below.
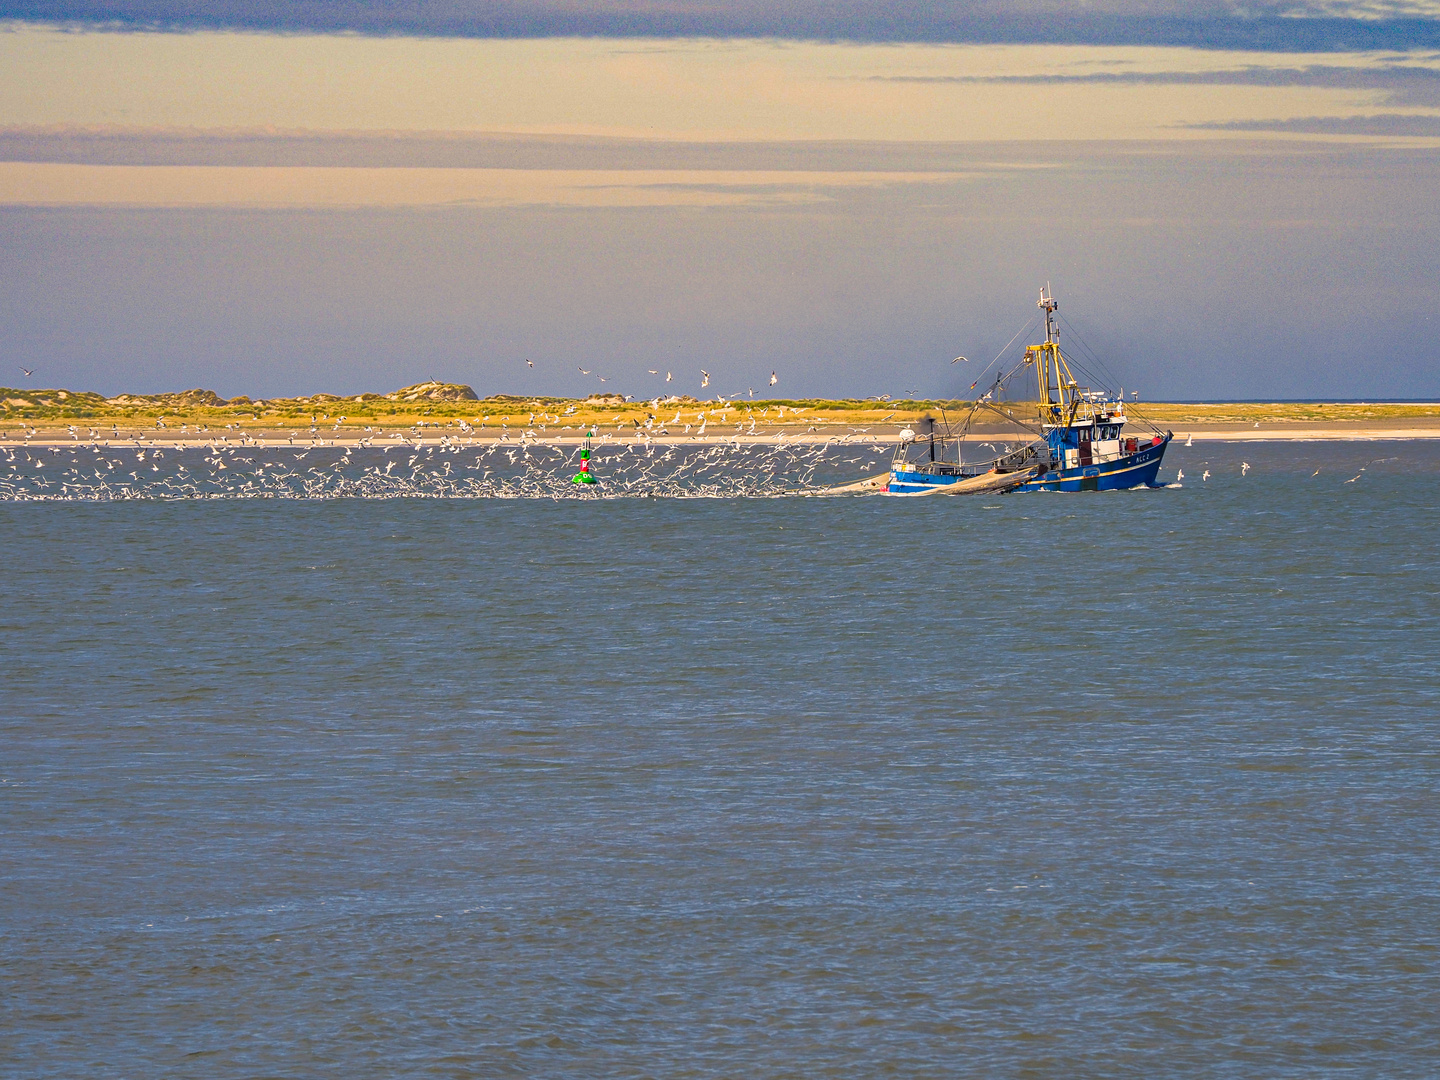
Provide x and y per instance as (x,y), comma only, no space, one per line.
(448,406)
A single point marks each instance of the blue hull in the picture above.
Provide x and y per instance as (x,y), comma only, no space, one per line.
(1131,471)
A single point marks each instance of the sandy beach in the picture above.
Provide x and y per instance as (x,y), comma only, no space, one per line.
(1336,433)
(1346,431)
(810,434)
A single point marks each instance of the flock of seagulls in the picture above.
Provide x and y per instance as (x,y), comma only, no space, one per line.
(451,468)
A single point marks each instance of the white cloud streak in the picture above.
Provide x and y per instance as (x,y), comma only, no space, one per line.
(60,184)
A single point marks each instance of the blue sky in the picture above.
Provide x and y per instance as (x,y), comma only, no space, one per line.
(1230,203)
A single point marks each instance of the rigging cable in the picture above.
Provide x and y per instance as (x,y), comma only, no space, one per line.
(1109,375)
(1091,353)
(1028,324)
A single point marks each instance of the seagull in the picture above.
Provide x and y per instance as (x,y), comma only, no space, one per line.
(28,371)
(1205,475)
(1179,475)
(1244,467)
(958,359)
(705,379)
(1190,441)
(583,371)
(529,363)
(774,378)
(652,371)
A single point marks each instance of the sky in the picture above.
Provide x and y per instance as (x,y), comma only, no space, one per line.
(1231,202)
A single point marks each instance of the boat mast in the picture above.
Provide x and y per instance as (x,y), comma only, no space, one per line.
(1056,383)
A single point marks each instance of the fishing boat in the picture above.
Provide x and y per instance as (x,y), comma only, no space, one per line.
(1076,443)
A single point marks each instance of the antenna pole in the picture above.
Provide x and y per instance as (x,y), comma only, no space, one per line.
(1050,351)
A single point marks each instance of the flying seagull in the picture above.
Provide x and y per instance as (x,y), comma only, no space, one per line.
(668,376)
(705,378)
(652,371)
(529,363)
(28,371)
(583,371)
(958,359)
(774,378)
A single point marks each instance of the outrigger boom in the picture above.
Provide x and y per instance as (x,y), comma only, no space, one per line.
(1076,443)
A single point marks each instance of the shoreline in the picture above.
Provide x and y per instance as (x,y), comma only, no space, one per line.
(1336,434)
(840,435)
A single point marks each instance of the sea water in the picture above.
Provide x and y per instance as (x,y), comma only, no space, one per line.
(1110,784)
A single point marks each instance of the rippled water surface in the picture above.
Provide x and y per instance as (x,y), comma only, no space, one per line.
(1127,784)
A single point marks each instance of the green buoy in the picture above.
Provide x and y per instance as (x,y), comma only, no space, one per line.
(583,476)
